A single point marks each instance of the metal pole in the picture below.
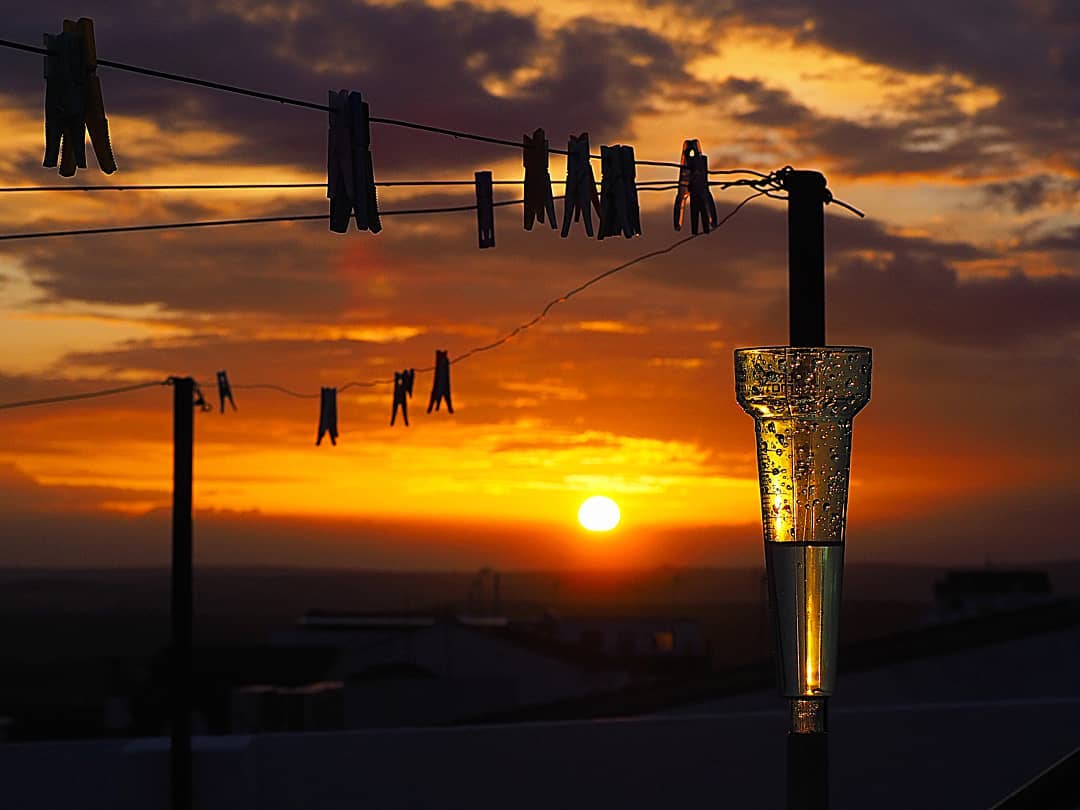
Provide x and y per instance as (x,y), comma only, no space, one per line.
(807,743)
(806,257)
(180,659)
(808,755)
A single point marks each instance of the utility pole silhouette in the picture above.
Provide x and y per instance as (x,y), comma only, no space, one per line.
(180,654)
(807,741)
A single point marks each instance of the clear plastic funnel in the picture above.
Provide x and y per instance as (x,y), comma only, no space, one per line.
(803,401)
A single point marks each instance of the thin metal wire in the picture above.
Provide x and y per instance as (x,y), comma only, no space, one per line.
(243,91)
(596,279)
(374,383)
(105,392)
(465,355)
(849,207)
(740,171)
(271,386)
(163,187)
(571,293)
(451,209)
(249,221)
(160,227)
(233,186)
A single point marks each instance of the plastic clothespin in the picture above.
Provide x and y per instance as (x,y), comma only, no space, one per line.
(224,391)
(694,189)
(65,102)
(580,185)
(538,197)
(485,210)
(73,102)
(327,415)
(199,401)
(440,387)
(350,174)
(403,385)
(340,186)
(97,125)
(619,211)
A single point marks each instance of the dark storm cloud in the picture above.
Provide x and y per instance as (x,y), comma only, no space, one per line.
(288,361)
(258,269)
(1032,193)
(296,269)
(999,42)
(940,139)
(412,61)
(739,256)
(925,297)
(1063,240)
(19,491)
(770,107)
(1028,52)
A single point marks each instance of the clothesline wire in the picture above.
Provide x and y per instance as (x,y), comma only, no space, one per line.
(765,178)
(215,223)
(648,185)
(595,279)
(229,88)
(322,185)
(644,185)
(387,380)
(273,387)
(164,226)
(105,392)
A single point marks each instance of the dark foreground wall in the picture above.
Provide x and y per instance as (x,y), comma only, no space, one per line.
(956,756)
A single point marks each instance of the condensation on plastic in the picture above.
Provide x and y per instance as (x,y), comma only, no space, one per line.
(803,401)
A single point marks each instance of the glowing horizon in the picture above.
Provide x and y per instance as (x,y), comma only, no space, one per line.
(962,279)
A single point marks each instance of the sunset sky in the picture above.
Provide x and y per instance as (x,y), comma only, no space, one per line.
(953,125)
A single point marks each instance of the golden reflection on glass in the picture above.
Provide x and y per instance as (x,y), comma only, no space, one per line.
(803,401)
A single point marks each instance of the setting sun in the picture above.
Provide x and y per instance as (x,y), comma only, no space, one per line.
(599,514)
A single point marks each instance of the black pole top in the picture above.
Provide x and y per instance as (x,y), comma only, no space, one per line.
(807,194)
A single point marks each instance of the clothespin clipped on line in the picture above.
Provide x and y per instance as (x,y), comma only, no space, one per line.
(199,401)
(485,210)
(580,185)
(619,211)
(694,189)
(440,386)
(403,388)
(350,174)
(327,415)
(73,102)
(224,390)
(538,197)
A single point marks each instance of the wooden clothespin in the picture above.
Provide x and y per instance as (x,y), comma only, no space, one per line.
(538,197)
(403,388)
(224,391)
(694,189)
(73,102)
(581,194)
(619,212)
(485,210)
(350,174)
(327,415)
(440,387)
